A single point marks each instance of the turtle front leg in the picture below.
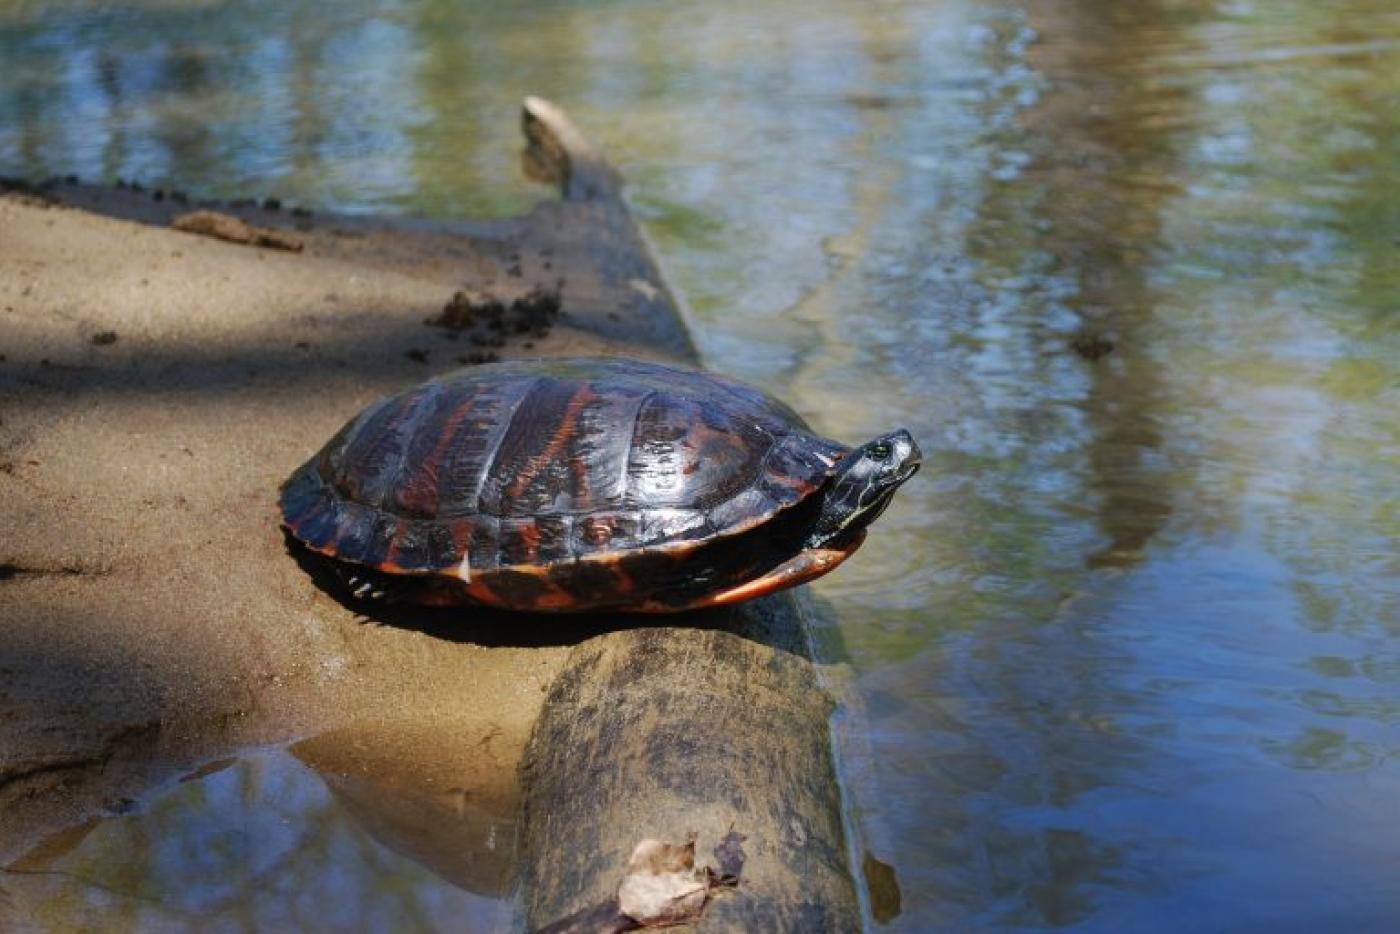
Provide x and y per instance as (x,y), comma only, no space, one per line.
(806,565)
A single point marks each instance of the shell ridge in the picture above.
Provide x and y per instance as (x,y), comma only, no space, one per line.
(421,408)
(788,413)
(632,440)
(498,437)
(428,472)
(370,485)
(567,425)
(329,457)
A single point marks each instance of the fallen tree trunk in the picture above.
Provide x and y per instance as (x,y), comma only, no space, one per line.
(712,727)
(684,735)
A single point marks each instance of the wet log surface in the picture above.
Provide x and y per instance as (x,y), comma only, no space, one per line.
(157,385)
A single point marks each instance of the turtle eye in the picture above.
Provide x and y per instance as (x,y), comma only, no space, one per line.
(881,450)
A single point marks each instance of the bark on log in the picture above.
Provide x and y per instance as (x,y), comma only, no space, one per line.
(677,734)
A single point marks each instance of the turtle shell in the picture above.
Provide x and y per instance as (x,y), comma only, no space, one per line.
(565,485)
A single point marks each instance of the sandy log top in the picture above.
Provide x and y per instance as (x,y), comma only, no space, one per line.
(156,386)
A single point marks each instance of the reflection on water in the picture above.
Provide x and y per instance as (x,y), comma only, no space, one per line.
(1127,649)
(431,795)
(254,845)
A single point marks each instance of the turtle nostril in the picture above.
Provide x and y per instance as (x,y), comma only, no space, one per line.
(914,455)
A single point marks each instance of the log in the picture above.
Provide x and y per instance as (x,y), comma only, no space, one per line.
(680,734)
(558,152)
(710,727)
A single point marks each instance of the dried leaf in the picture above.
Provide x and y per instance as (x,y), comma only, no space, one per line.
(883,886)
(234,230)
(661,886)
(606,918)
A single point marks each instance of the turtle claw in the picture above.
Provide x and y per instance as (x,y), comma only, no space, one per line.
(372,585)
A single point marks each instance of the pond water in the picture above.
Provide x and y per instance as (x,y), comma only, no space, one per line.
(264,843)
(1126,654)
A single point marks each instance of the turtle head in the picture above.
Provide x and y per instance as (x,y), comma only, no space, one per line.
(863,485)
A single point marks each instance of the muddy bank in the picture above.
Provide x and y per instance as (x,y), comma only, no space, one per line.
(157,384)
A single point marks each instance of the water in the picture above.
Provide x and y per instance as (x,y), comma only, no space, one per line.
(1125,655)
(263,843)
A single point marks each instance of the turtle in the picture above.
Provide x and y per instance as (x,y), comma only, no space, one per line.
(581,484)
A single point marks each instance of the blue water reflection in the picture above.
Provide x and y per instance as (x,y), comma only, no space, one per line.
(254,844)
